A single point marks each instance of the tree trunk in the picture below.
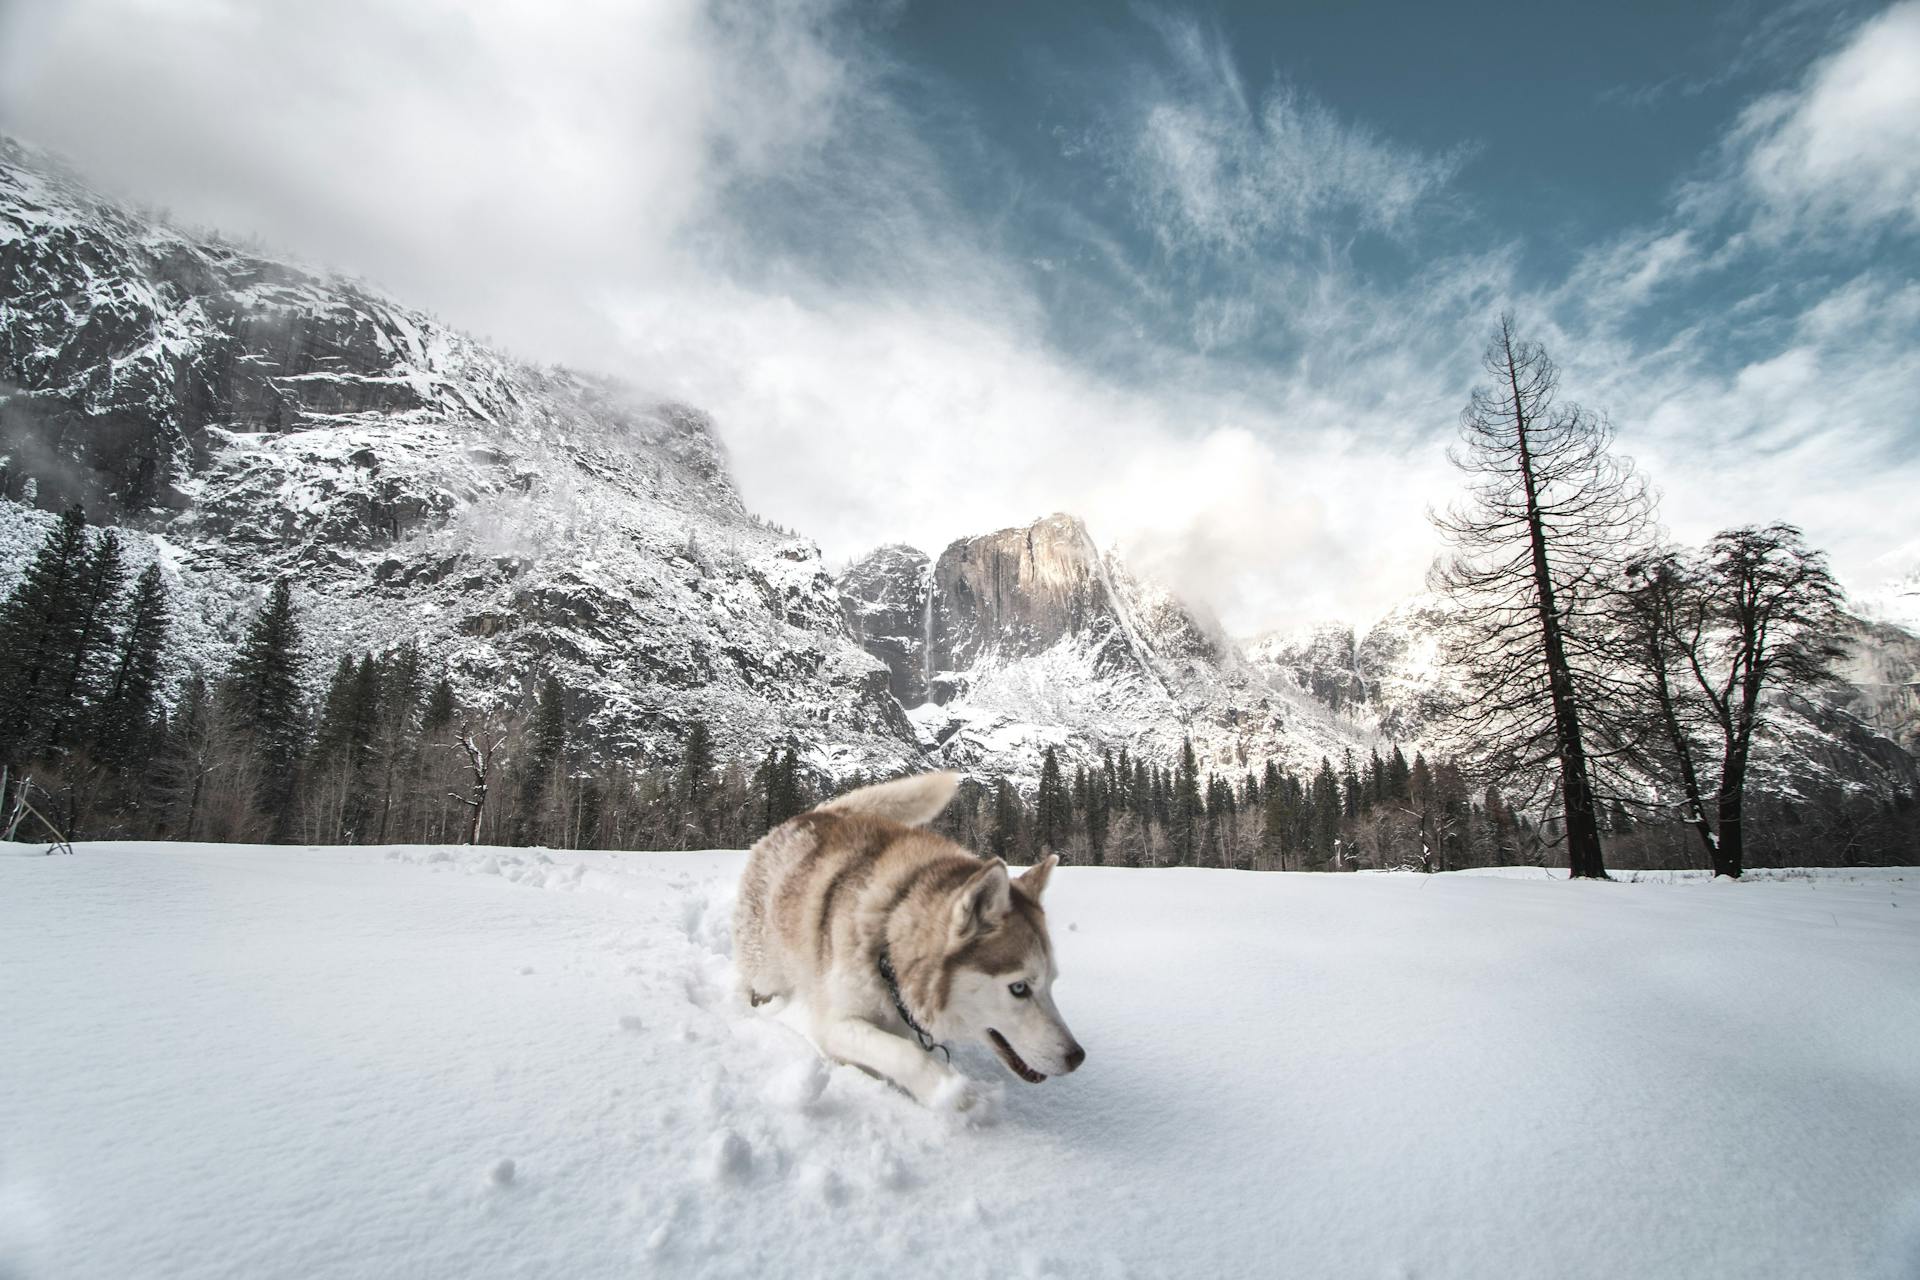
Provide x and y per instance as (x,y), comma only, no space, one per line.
(1583,825)
(1730,851)
(1683,755)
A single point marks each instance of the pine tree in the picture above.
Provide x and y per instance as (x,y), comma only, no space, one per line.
(340,776)
(40,627)
(393,745)
(1350,793)
(1399,777)
(694,787)
(1051,814)
(124,721)
(102,578)
(1216,848)
(1326,817)
(548,744)
(767,780)
(1004,838)
(1100,802)
(1185,809)
(438,716)
(263,691)
(368,677)
(1553,518)
(1279,820)
(333,735)
(185,758)
(788,796)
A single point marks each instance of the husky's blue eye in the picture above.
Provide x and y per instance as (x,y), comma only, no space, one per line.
(1020,990)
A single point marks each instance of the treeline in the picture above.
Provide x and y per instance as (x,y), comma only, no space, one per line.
(1383,814)
(91,748)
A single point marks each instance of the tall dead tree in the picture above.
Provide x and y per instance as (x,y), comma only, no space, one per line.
(1536,549)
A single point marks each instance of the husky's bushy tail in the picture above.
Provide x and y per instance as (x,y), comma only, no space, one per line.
(912,802)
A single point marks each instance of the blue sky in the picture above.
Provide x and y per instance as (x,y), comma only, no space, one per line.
(1215,278)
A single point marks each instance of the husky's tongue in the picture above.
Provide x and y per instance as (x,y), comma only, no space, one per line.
(1015,1063)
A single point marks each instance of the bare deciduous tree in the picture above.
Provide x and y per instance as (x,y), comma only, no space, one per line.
(1758,611)
(480,767)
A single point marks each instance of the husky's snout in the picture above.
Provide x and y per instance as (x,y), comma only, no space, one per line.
(1062,1057)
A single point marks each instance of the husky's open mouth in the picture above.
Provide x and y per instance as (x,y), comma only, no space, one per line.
(1015,1063)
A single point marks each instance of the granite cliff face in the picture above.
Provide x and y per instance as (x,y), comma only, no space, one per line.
(1882,675)
(887,598)
(1016,593)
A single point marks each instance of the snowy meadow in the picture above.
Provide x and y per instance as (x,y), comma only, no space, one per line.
(251,1061)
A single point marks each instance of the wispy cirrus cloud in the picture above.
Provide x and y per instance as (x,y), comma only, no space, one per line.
(1216,167)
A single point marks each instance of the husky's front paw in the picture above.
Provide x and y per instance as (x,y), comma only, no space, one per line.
(958,1095)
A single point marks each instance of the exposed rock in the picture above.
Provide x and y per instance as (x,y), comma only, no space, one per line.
(1882,675)
(887,598)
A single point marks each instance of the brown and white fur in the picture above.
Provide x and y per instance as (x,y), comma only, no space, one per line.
(825,893)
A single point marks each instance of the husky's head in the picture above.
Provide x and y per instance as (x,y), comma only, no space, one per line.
(999,974)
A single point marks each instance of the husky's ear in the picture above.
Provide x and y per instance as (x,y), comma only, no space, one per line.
(1034,879)
(983,901)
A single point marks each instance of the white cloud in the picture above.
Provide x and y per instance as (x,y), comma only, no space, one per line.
(1841,153)
(499,160)
(1817,429)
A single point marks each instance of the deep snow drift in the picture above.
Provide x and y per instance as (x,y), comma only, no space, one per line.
(251,1062)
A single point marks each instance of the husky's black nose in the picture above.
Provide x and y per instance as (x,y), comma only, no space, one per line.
(1075,1056)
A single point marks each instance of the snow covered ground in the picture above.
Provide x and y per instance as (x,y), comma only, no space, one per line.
(251,1062)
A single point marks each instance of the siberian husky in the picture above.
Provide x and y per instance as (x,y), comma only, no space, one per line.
(894,940)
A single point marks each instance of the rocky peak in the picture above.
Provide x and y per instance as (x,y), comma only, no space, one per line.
(1017,592)
(887,597)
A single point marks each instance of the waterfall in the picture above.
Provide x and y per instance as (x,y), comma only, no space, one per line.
(926,640)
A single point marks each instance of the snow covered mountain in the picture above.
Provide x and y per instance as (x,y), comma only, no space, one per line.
(247,418)
(243,417)
(1031,637)
(1882,674)
(1859,736)
(1392,674)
